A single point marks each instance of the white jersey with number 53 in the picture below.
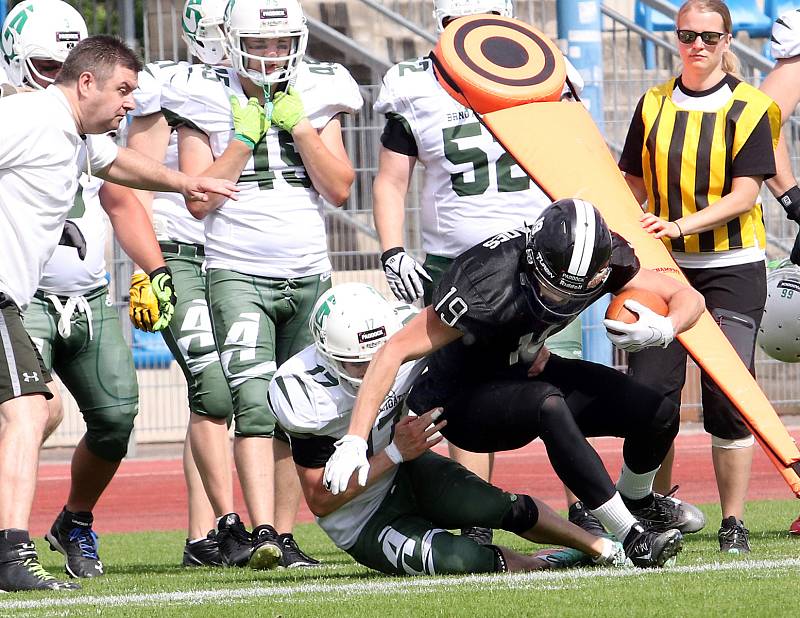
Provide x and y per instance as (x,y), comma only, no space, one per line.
(275,227)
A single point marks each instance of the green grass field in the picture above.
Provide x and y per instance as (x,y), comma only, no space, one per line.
(144,579)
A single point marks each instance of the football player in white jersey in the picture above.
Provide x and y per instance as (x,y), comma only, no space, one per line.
(396,521)
(49,136)
(270,123)
(182,239)
(783,85)
(71,318)
(472,188)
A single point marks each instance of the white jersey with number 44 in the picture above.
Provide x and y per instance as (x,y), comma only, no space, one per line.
(275,227)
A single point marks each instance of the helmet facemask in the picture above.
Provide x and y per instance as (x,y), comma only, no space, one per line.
(39,30)
(202,29)
(280,25)
(566,259)
(350,323)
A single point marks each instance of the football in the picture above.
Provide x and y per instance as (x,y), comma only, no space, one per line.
(617,310)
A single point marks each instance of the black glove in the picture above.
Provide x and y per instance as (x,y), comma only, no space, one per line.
(791,203)
(71,236)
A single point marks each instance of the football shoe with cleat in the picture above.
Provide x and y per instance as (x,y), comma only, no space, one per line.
(666,512)
(267,548)
(650,548)
(202,552)
(20,568)
(72,535)
(733,537)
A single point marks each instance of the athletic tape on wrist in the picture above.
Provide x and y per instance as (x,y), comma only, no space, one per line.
(393,453)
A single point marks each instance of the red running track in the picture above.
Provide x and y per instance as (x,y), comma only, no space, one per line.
(151,495)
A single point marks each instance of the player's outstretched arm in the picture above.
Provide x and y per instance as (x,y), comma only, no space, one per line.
(148,135)
(134,170)
(131,225)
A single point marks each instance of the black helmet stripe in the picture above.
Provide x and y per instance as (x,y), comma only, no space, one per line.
(583,249)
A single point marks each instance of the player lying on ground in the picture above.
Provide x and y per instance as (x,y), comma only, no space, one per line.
(397,521)
(500,388)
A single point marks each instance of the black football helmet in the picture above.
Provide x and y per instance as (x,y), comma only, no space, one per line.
(566,258)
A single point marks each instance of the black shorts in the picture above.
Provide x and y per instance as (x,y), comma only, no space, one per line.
(22,371)
(740,289)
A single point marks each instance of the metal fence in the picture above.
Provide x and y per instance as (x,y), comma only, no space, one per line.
(352,238)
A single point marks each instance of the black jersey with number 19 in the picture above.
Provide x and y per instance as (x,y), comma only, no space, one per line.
(487,297)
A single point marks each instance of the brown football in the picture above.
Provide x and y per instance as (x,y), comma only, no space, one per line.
(617,310)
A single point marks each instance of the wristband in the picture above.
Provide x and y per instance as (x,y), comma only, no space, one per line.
(393,453)
(390,253)
(680,231)
(791,203)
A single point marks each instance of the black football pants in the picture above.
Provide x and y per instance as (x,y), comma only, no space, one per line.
(569,401)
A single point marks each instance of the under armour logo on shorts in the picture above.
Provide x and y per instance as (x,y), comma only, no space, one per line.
(30,377)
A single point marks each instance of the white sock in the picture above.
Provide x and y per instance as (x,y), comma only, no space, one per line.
(615,517)
(635,486)
(193,541)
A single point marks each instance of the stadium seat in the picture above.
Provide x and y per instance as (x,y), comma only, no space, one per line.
(745,14)
(150,351)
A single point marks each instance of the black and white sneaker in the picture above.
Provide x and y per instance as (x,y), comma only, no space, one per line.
(294,557)
(235,542)
(482,536)
(662,513)
(583,518)
(267,548)
(649,548)
(733,537)
(202,552)
(20,568)
(72,535)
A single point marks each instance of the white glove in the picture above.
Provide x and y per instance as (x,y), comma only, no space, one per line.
(404,274)
(350,455)
(648,331)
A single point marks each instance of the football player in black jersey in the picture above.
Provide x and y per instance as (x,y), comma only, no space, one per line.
(500,388)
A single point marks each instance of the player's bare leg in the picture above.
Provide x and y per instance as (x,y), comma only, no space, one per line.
(55,409)
(732,469)
(211,452)
(662,484)
(201,513)
(90,477)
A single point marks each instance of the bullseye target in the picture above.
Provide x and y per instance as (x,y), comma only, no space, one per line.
(489,63)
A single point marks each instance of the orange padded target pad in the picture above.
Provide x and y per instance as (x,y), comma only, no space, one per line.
(489,62)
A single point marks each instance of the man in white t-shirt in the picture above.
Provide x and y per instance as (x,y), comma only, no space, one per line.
(49,137)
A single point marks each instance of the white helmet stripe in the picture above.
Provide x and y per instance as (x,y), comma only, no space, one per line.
(584,239)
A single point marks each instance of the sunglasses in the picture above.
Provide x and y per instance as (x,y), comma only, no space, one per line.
(709,38)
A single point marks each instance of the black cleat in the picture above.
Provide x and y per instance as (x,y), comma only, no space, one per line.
(482,536)
(733,537)
(294,557)
(202,552)
(235,542)
(267,548)
(72,535)
(20,568)
(583,518)
(649,548)
(664,513)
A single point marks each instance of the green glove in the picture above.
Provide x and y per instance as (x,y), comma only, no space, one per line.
(287,109)
(164,291)
(249,122)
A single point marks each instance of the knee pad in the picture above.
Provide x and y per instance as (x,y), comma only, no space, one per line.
(522,515)
(108,431)
(667,417)
(740,330)
(733,444)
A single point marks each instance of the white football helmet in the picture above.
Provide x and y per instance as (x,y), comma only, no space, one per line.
(265,19)
(443,9)
(779,334)
(38,29)
(201,29)
(350,322)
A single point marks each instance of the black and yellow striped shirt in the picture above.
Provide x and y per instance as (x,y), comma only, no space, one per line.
(688,158)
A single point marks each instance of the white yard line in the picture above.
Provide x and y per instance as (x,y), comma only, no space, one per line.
(422,585)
